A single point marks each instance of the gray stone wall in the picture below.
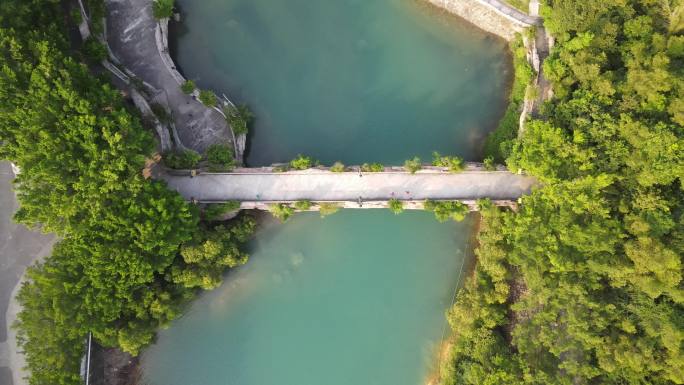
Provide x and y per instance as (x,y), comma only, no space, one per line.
(483,16)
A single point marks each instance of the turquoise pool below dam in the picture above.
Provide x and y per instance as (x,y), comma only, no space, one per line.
(355,298)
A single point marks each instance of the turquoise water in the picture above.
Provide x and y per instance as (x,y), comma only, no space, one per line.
(349,80)
(356,298)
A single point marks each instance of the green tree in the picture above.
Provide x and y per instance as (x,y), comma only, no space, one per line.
(211,252)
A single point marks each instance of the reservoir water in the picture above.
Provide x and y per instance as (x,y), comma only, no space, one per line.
(355,298)
(349,80)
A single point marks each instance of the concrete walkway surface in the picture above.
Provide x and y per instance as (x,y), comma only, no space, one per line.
(323,186)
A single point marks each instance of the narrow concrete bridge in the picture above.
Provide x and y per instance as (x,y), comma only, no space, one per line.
(258,188)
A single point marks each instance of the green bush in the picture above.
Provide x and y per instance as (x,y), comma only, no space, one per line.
(220,158)
(215,211)
(303,205)
(301,162)
(162,9)
(239,118)
(489,164)
(208,98)
(281,211)
(396,206)
(453,163)
(413,165)
(372,167)
(188,87)
(181,160)
(328,208)
(338,167)
(445,210)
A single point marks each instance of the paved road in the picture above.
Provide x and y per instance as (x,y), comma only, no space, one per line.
(19,247)
(318,185)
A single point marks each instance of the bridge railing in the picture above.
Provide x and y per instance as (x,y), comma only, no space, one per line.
(278,169)
(363,204)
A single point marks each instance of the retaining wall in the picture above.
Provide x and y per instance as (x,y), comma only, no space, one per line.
(484,15)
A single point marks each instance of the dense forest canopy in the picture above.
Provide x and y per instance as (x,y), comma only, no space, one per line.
(584,284)
(132,253)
